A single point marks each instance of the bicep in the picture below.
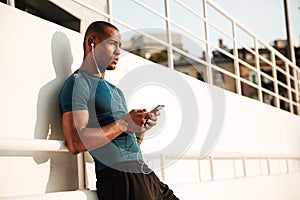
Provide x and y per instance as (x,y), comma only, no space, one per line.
(72,123)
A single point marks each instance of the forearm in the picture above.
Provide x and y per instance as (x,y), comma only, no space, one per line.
(79,138)
(93,138)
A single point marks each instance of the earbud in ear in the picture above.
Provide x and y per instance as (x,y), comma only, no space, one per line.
(92,45)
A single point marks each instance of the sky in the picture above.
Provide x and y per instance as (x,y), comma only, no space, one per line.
(265,18)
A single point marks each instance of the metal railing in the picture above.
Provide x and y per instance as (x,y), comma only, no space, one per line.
(286,69)
(213,157)
(277,79)
(13,144)
(258,71)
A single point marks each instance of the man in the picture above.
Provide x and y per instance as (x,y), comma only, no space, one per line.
(95,119)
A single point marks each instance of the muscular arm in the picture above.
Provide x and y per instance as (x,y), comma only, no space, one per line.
(79,138)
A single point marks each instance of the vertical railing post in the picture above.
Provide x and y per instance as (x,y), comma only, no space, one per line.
(212,173)
(275,83)
(207,47)
(234,168)
(244,167)
(11,2)
(169,35)
(296,81)
(268,166)
(162,167)
(81,171)
(199,170)
(289,94)
(257,64)
(109,10)
(236,59)
(298,89)
(287,165)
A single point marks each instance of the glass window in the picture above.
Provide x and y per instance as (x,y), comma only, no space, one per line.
(50,12)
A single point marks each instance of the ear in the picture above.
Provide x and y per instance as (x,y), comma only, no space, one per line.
(90,41)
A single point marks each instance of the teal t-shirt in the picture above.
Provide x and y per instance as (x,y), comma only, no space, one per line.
(105,104)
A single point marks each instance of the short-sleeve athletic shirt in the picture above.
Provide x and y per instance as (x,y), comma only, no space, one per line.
(105,104)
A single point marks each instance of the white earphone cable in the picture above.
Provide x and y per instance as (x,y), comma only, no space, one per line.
(119,102)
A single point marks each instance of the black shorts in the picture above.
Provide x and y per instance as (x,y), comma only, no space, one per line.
(131,181)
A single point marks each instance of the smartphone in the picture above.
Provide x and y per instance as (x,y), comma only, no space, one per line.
(157,108)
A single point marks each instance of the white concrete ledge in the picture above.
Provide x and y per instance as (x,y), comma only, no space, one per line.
(281,186)
(69,195)
(59,146)
(32,145)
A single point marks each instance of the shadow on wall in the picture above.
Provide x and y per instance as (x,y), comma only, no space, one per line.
(63,171)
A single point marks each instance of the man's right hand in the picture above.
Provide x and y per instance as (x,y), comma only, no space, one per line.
(136,119)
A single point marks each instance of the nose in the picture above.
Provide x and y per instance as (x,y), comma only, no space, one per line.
(118,50)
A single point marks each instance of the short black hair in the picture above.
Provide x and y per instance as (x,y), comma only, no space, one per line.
(98,28)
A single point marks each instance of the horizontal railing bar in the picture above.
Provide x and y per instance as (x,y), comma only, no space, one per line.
(283,85)
(59,146)
(249,83)
(281,70)
(217,155)
(32,145)
(243,28)
(222,51)
(190,10)
(203,62)
(74,195)
(250,156)
(284,98)
(188,32)
(219,69)
(265,60)
(149,9)
(245,64)
(220,10)
(247,48)
(220,30)
(269,92)
(267,76)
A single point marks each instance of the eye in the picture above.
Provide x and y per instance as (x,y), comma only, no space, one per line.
(115,43)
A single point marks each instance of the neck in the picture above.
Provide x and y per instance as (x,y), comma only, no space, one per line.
(91,68)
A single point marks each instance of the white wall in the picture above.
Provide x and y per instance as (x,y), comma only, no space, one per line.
(36,56)
(83,13)
(226,123)
(259,188)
